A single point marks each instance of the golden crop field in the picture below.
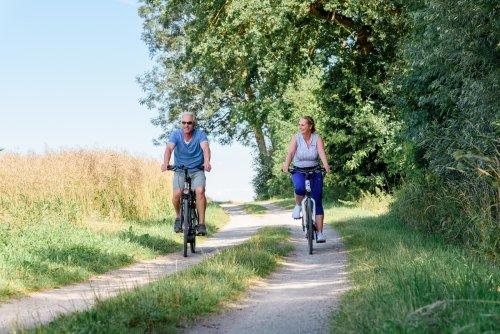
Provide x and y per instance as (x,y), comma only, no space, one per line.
(81,183)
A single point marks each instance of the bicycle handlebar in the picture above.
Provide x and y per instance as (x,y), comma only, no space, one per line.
(306,170)
(175,168)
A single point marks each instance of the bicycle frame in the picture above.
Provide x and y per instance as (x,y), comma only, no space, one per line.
(189,215)
(308,216)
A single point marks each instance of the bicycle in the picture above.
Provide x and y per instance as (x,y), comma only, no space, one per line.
(308,203)
(189,215)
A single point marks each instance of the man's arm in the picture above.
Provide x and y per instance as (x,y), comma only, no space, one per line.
(166,156)
(206,155)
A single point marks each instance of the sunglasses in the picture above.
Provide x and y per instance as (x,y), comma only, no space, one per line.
(188,123)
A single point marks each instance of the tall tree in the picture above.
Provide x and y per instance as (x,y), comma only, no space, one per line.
(232,61)
(449,98)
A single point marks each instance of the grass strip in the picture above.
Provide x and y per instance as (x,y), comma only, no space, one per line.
(407,282)
(55,253)
(161,307)
(254,209)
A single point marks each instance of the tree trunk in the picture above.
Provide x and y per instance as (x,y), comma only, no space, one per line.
(261,141)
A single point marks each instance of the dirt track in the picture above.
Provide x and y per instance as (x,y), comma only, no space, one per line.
(298,298)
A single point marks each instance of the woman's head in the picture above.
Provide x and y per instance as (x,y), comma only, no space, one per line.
(306,125)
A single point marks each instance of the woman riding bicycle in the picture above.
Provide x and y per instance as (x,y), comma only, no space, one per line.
(305,147)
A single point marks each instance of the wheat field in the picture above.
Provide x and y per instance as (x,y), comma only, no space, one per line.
(75,185)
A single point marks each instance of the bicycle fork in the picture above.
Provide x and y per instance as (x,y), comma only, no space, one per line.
(313,202)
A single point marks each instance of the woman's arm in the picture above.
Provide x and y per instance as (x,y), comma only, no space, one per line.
(322,155)
(292,147)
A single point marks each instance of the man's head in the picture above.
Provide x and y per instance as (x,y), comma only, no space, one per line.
(188,121)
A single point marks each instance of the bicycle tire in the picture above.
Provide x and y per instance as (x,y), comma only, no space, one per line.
(310,226)
(186,223)
(194,223)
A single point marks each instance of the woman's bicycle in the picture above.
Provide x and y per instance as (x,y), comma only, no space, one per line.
(189,215)
(308,204)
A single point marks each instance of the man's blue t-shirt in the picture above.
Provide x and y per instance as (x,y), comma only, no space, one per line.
(190,154)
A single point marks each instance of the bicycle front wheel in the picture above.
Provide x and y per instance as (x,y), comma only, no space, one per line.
(193,236)
(186,223)
(309,225)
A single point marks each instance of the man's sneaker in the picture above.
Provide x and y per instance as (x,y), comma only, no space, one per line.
(177,225)
(296,212)
(201,229)
(320,237)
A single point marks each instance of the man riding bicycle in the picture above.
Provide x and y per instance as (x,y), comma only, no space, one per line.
(191,149)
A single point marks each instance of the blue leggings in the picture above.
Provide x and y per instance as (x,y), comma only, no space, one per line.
(299,183)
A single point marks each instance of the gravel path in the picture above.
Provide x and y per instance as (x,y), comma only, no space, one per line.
(298,298)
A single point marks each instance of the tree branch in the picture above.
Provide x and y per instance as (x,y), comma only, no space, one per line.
(363,32)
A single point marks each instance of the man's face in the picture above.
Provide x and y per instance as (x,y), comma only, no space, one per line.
(187,123)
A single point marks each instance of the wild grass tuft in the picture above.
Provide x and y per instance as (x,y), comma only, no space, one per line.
(254,209)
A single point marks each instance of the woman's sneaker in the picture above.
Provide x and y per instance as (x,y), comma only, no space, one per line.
(296,212)
(320,237)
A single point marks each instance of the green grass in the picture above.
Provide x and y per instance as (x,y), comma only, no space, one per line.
(287,203)
(162,306)
(254,209)
(407,282)
(55,253)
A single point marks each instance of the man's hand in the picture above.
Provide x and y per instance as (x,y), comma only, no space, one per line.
(164,167)
(328,169)
(207,166)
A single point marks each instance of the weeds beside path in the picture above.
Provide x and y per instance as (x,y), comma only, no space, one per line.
(408,282)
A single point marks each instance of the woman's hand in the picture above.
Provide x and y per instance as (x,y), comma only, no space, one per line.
(285,167)
(327,168)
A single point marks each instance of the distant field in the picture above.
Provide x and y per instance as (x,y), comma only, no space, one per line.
(65,216)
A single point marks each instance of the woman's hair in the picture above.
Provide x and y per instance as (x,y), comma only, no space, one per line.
(310,121)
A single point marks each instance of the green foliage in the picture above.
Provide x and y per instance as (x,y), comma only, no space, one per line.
(263,173)
(407,282)
(449,99)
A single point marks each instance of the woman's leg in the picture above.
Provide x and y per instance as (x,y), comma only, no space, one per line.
(299,180)
(317,194)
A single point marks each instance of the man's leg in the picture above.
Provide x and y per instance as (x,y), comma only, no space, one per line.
(176,201)
(201,204)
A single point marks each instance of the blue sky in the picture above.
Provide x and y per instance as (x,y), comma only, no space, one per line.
(67,80)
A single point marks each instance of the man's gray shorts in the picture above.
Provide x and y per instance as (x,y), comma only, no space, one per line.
(197,179)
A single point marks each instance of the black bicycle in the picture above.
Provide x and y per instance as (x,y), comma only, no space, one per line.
(189,215)
(308,203)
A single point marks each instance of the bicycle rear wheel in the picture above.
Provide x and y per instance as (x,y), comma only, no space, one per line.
(186,223)
(309,225)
